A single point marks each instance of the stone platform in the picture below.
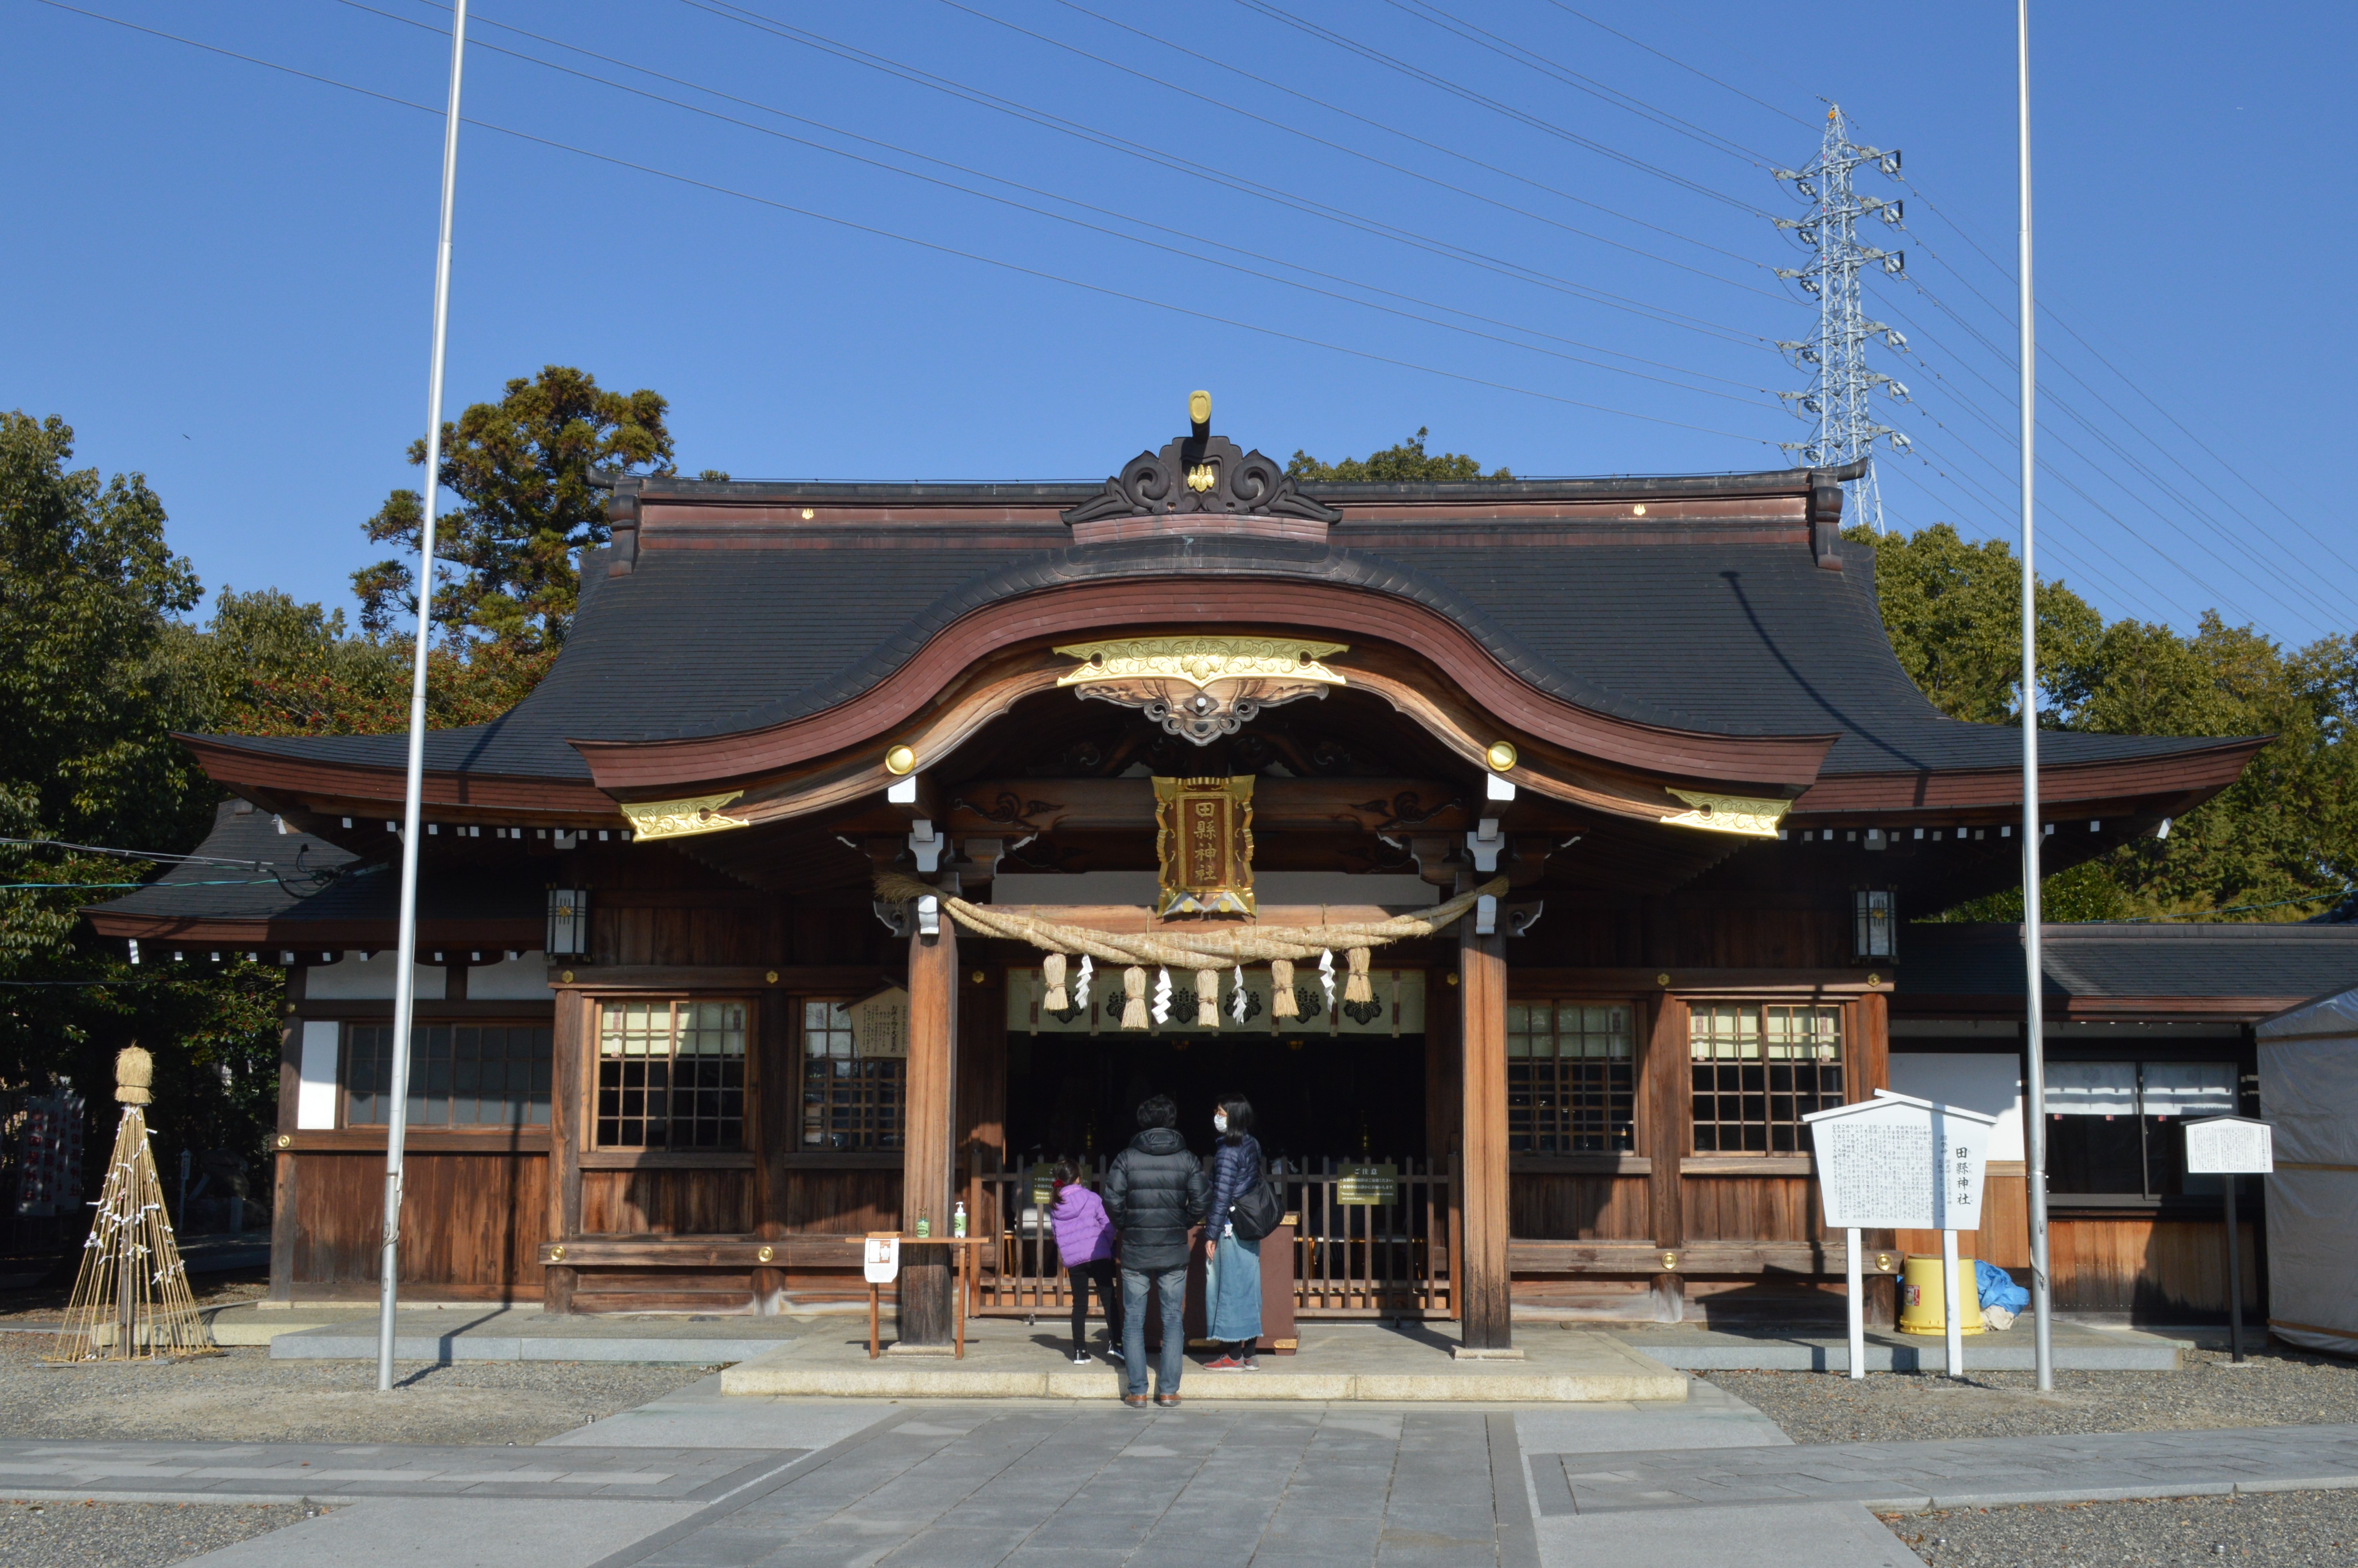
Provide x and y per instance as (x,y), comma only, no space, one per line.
(1337,1363)
(2078,1346)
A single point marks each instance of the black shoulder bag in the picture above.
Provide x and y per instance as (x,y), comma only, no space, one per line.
(1259,1210)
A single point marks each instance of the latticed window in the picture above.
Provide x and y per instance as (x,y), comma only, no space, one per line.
(1758,1071)
(1571,1079)
(849,1101)
(671,1075)
(460,1075)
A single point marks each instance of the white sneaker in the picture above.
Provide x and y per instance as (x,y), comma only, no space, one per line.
(1080,1358)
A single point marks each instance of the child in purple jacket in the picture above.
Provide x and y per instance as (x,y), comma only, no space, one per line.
(1085,1240)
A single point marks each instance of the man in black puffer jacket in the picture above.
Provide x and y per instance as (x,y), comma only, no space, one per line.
(1154,1191)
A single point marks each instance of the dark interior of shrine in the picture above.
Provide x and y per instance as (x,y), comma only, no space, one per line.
(1314,1096)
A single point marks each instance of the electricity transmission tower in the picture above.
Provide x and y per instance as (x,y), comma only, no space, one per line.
(1837,400)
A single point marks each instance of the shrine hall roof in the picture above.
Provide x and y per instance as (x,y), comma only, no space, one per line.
(726,614)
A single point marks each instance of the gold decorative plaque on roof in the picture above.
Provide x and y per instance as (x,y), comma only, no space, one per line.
(678,818)
(1729,814)
(1201,688)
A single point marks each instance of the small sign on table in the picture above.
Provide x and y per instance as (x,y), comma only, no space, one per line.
(1897,1163)
(2228,1147)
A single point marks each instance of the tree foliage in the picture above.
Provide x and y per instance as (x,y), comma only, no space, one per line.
(522,469)
(1407,461)
(2279,843)
(93,682)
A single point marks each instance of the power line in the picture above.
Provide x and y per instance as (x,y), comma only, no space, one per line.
(759,22)
(1370,157)
(1683,65)
(1506,49)
(772,202)
(1193,252)
(1441,83)
(1445,150)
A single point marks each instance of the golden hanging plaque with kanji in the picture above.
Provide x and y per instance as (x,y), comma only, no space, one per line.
(1202,844)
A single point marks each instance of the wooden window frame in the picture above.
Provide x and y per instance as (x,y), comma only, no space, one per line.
(346,1027)
(1633,1012)
(749,1091)
(798,1042)
(1845,1061)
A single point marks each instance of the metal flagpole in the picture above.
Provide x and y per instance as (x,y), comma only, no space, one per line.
(405,960)
(2033,834)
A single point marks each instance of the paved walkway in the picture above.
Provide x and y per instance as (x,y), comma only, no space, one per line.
(1978,1473)
(330,1473)
(698,1479)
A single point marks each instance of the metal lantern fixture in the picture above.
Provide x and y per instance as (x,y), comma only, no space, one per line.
(1874,925)
(569,922)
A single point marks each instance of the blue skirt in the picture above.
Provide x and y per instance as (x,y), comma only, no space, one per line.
(1232,1290)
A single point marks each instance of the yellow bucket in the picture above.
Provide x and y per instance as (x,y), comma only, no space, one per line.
(1924,1302)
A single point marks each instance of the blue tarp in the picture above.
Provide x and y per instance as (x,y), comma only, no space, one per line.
(1998,1287)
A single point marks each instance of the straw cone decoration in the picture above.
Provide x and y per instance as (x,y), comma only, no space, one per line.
(131,1298)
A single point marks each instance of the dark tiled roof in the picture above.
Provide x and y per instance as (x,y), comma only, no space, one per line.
(300,878)
(2096,961)
(1737,639)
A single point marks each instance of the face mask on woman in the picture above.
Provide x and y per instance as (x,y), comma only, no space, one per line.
(1219,1122)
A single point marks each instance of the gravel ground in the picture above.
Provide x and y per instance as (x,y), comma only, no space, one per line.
(2279,1387)
(243,1396)
(2283,1530)
(130,1535)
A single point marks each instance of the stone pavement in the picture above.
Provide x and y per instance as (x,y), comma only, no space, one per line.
(699,1480)
(1972,1473)
(332,1473)
(2079,1347)
(1336,1362)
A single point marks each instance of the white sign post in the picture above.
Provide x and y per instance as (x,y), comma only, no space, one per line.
(1897,1163)
(2228,1147)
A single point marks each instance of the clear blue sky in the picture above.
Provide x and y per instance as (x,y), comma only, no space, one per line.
(221,273)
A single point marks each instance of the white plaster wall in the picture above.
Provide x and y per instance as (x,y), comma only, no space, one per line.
(1986,1081)
(360,979)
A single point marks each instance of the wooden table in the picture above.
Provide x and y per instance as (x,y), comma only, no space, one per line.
(965,1245)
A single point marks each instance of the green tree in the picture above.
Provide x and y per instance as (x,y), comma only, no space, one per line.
(93,682)
(1954,614)
(2283,837)
(522,469)
(1407,461)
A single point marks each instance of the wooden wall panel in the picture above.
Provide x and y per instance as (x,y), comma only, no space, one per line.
(1751,1209)
(843,1203)
(472,1224)
(1545,1206)
(669,1203)
(2155,1271)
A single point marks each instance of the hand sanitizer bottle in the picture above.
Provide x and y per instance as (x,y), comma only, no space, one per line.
(924,1226)
(958,1219)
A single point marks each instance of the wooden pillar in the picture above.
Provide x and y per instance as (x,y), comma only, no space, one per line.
(1665,1106)
(1869,1069)
(771,1132)
(982,1089)
(283,1234)
(928,1155)
(569,1098)
(1482,1037)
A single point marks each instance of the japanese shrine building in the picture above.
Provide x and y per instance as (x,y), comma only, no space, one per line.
(673,1050)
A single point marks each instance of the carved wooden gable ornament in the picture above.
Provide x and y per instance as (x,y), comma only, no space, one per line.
(1201,474)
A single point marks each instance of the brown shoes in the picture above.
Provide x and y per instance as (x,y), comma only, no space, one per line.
(1166,1400)
(1135,1401)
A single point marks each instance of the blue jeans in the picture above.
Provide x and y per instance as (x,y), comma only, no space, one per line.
(1172,1284)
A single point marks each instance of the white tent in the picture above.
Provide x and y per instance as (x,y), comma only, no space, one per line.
(2308,1090)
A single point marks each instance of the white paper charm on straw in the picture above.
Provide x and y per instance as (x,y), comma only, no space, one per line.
(1236,1001)
(1163,996)
(1326,977)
